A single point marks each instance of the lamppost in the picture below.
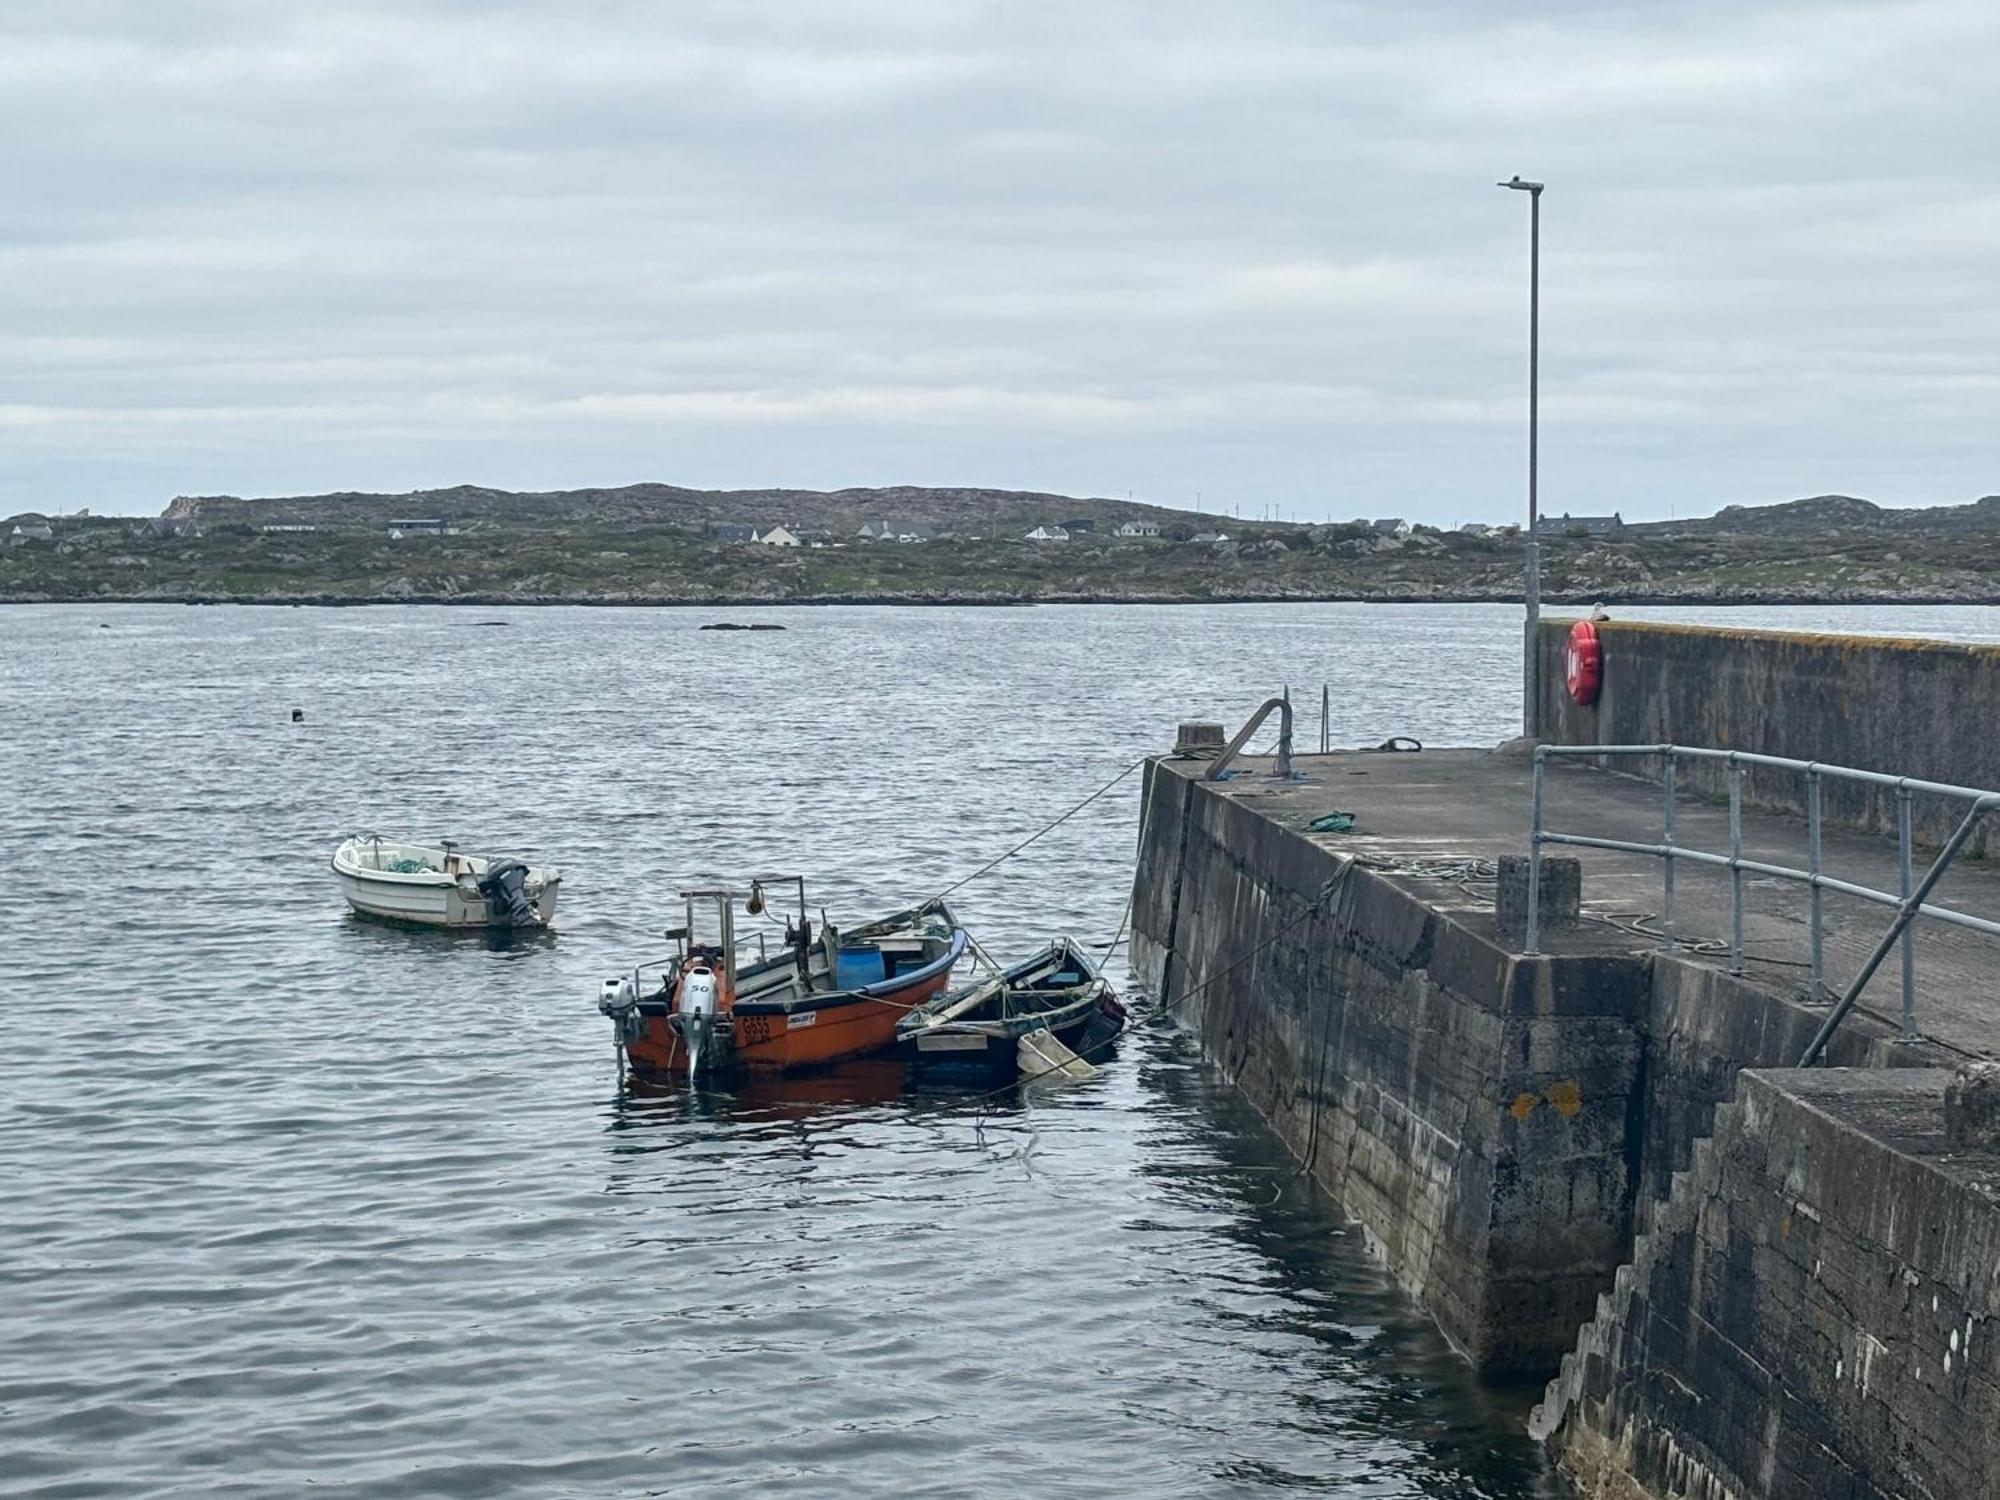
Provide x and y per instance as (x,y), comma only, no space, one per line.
(1531,651)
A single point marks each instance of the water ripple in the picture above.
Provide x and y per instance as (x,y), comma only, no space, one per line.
(297,1202)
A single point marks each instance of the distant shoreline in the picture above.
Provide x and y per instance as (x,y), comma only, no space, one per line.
(1746,599)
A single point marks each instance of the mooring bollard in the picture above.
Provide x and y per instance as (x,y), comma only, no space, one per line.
(1561,894)
(1195,734)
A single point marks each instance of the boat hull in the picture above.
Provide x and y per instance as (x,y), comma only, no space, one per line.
(987,1048)
(436,905)
(415,885)
(768,1037)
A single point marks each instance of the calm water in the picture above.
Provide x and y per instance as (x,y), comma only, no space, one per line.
(290,1201)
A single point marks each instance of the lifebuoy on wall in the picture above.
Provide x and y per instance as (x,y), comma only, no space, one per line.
(1583,662)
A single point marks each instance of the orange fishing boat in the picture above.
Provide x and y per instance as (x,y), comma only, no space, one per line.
(725,1002)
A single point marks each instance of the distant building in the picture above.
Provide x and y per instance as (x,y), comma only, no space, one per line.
(1477,528)
(289,526)
(917,531)
(171,526)
(33,531)
(1139,528)
(1047,534)
(1594,525)
(730,531)
(778,536)
(1080,526)
(871,531)
(1394,526)
(1208,538)
(421,526)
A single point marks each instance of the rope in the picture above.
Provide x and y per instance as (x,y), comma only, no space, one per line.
(1118,936)
(1319,1077)
(1166,1007)
(995,864)
(1326,892)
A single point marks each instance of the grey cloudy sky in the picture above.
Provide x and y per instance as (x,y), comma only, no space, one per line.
(1250,250)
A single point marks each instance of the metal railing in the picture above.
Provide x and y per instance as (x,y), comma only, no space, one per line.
(1909,901)
(1280,706)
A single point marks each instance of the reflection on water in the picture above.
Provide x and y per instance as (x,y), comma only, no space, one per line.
(293,1200)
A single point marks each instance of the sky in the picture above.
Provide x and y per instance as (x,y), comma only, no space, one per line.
(1248,256)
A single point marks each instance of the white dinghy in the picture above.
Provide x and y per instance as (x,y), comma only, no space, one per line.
(433,885)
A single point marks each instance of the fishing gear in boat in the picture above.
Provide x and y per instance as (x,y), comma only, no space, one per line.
(726,1002)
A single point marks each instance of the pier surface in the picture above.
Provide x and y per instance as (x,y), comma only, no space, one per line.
(1601,1163)
(1445,808)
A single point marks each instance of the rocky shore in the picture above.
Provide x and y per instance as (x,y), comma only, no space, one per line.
(654,546)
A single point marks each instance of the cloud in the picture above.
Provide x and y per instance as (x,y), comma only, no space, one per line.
(1251,250)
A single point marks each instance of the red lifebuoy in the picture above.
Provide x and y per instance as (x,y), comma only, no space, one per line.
(1583,662)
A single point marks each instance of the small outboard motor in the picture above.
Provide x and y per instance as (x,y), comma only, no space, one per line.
(695,1017)
(504,885)
(619,999)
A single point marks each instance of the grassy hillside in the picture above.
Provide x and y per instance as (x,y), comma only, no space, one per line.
(617,547)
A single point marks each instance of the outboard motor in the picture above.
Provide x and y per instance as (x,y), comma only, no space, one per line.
(505,887)
(695,1017)
(619,999)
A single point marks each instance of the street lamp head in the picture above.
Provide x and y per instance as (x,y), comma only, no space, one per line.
(1520,184)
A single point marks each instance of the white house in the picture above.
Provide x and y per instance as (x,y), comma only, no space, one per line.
(1047,534)
(777,536)
(1139,528)
(1208,538)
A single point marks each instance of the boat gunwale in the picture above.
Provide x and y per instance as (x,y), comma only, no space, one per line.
(880,991)
(1077,1003)
(426,879)
(1052,958)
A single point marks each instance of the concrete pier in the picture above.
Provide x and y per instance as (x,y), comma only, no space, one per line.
(1511,1132)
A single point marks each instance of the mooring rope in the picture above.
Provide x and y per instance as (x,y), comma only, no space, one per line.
(1165,1008)
(1047,828)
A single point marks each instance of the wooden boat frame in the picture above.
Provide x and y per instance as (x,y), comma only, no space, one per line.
(811,1003)
(951,1032)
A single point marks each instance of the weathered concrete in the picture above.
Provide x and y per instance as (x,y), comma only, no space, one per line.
(1473,1111)
(1500,1127)
(1972,1108)
(1812,1315)
(1912,708)
(1558,895)
(1814,1258)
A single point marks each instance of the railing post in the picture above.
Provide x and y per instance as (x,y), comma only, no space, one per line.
(1284,766)
(1325,712)
(1735,867)
(1818,895)
(1667,842)
(1905,914)
(1531,947)
(1910,930)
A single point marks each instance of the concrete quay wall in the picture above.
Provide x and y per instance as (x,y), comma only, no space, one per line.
(1902,707)
(1815,1312)
(1503,1130)
(1473,1112)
